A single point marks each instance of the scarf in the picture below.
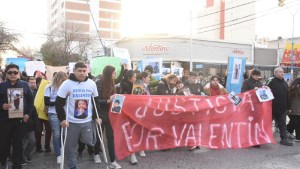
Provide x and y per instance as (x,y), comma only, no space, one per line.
(215,90)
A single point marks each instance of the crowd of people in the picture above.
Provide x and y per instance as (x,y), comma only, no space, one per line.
(71,102)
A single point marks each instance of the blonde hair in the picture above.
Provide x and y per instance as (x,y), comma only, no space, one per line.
(170,77)
(58,79)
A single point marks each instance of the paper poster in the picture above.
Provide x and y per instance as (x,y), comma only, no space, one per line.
(71,67)
(99,63)
(123,54)
(50,70)
(234,98)
(117,104)
(166,71)
(177,71)
(156,64)
(137,89)
(33,66)
(236,68)
(15,99)
(264,95)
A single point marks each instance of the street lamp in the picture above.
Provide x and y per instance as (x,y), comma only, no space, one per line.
(278,51)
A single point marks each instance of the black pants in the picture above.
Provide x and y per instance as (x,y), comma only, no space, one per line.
(280,119)
(12,132)
(294,124)
(110,139)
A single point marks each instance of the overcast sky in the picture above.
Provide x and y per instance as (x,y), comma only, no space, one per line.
(29,18)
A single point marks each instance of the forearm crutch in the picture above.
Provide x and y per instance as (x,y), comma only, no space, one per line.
(100,138)
(63,138)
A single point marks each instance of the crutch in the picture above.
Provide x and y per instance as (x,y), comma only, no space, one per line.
(63,138)
(100,138)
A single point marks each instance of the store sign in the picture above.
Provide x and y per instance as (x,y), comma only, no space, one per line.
(238,51)
(155,49)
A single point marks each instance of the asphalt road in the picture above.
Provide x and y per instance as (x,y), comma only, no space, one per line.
(270,156)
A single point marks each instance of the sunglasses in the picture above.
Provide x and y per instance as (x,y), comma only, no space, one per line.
(13,72)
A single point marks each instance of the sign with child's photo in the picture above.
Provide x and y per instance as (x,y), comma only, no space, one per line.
(15,99)
(137,89)
(117,104)
(81,109)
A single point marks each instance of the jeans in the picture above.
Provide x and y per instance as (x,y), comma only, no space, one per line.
(55,127)
(28,144)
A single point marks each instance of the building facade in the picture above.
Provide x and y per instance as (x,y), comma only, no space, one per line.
(87,17)
(232,20)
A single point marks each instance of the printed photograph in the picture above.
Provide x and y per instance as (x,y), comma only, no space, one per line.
(234,98)
(15,99)
(137,89)
(81,109)
(117,104)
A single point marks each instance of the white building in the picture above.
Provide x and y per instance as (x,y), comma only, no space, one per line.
(232,20)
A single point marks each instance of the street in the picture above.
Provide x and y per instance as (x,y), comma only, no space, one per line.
(270,156)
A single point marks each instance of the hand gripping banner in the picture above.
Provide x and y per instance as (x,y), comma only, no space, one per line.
(163,122)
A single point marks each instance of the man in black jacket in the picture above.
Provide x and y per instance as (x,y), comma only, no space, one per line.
(279,104)
(12,129)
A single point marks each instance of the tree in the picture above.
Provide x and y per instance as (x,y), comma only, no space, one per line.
(65,45)
(7,39)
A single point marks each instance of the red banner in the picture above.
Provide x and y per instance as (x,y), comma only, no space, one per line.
(163,122)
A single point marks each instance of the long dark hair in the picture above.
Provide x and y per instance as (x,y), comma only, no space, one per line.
(108,87)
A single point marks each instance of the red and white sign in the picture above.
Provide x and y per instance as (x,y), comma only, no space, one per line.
(163,122)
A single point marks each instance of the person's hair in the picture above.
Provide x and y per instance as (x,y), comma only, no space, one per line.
(54,74)
(77,102)
(200,74)
(129,74)
(142,75)
(108,87)
(79,65)
(30,78)
(215,76)
(149,68)
(293,87)
(38,81)
(193,74)
(170,77)
(277,69)
(11,66)
(245,75)
(255,72)
(117,101)
(58,79)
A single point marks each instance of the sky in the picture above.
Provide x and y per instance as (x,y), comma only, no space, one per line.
(29,18)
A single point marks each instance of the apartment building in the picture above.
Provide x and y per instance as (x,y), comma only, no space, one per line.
(86,17)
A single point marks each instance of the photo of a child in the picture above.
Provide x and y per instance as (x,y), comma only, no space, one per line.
(81,109)
(116,106)
(17,101)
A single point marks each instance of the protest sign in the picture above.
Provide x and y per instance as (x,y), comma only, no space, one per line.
(33,66)
(52,69)
(156,123)
(98,64)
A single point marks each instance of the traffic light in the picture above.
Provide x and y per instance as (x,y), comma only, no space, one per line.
(281,3)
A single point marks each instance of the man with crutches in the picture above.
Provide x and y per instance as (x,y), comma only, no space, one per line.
(78,90)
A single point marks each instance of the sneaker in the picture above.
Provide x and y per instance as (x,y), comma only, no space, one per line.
(192,148)
(142,154)
(23,163)
(277,130)
(114,165)
(290,135)
(97,159)
(297,140)
(27,159)
(133,160)
(286,142)
(91,157)
(39,150)
(47,149)
(58,159)
(256,146)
